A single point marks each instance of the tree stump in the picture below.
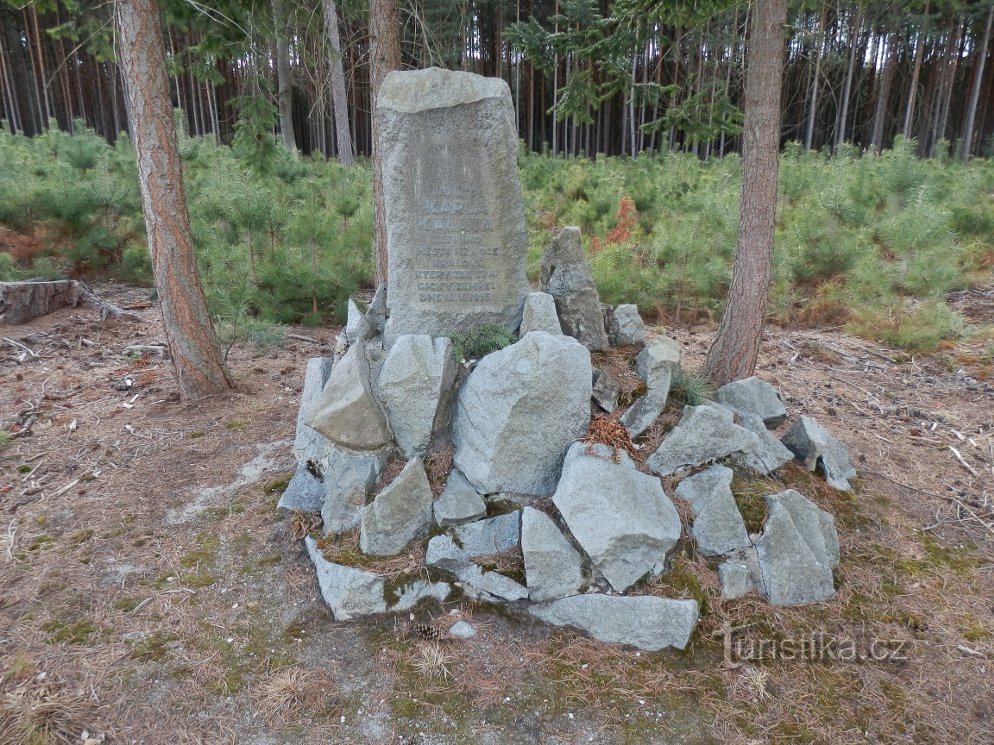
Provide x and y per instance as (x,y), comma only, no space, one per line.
(21,302)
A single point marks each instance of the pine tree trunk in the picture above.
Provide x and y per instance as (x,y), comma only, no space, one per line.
(883,93)
(339,102)
(193,348)
(385,52)
(909,109)
(284,92)
(840,124)
(736,346)
(966,144)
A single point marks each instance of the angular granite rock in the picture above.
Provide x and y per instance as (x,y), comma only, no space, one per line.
(553,568)
(399,514)
(812,445)
(735,579)
(754,396)
(620,516)
(566,276)
(494,535)
(606,390)
(414,386)
(519,410)
(304,493)
(412,594)
(645,622)
(349,593)
(445,554)
(346,411)
(655,364)
(797,550)
(718,527)
(625,326)
(539,314)
(768,454)
(705,433)
(376,313)
(308,444)
(459,502)
(348,478)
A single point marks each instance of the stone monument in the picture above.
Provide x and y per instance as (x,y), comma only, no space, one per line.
(456,231)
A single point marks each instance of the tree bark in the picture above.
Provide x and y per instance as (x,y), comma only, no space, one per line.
(339,103)
(966,144)
(840,125)
(284,92)
(384,33)
(193,348)
(735,349)
(909,109)
(883,94)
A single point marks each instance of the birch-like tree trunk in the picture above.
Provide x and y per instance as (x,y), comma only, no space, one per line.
(193,348)
(284,86)
(339,94)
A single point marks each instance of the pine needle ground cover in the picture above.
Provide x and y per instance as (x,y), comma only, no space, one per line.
(872,243)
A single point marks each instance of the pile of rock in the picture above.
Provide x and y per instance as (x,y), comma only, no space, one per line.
(532,513)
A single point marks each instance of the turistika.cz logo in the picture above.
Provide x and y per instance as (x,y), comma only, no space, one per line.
(819,646)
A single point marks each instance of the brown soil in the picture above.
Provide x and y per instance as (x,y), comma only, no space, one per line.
(149,593)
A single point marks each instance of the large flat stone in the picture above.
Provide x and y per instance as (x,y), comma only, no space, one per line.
(566,276)
(645,622)
(620,516)
(553,568)
(704,434)
(455,222)
(399,514)
(415,385)
(418,591)
(797,550)
(346,411)
(718,526)
(494,535)
(813,446)
(519,410)
(349,593)
(754,396)
(768,454)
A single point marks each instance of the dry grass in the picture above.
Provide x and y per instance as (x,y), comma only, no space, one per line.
(343,548)
(295,694)
(438,464)
(42,713)
(607,430)
(619,363)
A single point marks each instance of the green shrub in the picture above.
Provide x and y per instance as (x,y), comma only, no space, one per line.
(481,341)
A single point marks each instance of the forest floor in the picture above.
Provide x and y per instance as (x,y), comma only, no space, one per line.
(149,593)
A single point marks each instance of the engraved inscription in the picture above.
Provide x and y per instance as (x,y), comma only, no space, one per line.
(453,235)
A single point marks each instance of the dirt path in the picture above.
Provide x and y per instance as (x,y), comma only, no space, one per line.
(149,593)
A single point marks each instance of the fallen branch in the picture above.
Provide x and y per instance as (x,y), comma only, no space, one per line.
(963,463)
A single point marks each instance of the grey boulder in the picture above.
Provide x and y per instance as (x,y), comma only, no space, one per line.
(606,390)
(646,622)
(348,477)
(553,568)
(735,578)
(768,454)
(399,514)
(705,433)
(418,590)
(493,535)
(476,583)
(625,326)
(519,410)
(349,593)
(620,516)
(346,411)
(539,314)
(459,502)
(655,364)
(309,444)
(566,276)
(304,493)
(414,386)
(754,396)
(718,527)
(797,550)
(813,446)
